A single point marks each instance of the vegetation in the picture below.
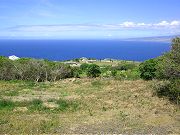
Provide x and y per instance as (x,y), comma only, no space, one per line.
(167,68)
(93,71)
(148,69)
(99,97)
(33,70)
(28,69)
(85,105)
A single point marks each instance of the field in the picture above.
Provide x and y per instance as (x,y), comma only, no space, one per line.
(85,106)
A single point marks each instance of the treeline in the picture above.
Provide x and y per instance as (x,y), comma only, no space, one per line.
(43,70)
(33,70)
(165,68)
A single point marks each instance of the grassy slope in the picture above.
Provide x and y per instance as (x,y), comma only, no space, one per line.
(86,106)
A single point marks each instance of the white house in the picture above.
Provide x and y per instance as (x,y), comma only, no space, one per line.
(13,57)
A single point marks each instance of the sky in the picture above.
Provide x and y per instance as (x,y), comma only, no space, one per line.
(88,19)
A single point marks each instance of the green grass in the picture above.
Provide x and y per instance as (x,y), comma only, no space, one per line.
(12,93)
(6,104)
(27,84)
(36,105)
(65,105)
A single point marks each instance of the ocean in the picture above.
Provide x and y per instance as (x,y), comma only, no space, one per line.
(59,50)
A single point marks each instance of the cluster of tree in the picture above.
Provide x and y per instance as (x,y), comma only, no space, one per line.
(43,70)
(165,67)
(91,70)
(124,70)
(33,70)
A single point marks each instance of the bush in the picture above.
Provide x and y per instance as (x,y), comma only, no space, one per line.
(162,88)
(93,71)
(168,68)
(7,69)
(76,72)
(84,66)
(170,62)
(175,90)
(125,66)
(168,89)
(133,74)
(114,73)
(33,70)
(148,69)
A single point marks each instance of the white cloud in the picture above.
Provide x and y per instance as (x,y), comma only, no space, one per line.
(168,24)
(141,24)
(163,25)
(128,24)
(175,23)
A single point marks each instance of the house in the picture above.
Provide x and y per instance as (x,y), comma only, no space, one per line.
(13,57)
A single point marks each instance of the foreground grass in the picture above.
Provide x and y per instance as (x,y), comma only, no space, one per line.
(85,106)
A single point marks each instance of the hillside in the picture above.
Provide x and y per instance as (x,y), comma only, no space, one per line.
(85,106)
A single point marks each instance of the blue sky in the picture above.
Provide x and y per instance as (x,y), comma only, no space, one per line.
(86,19)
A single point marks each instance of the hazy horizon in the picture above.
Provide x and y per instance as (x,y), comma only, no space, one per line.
(90,19)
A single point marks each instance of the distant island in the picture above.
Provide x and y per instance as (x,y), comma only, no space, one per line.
(154,39)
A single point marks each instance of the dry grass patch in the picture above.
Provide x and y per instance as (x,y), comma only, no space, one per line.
(87,106)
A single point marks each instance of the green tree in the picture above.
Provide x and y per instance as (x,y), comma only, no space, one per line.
(93,71)
(169,68)
(148,69)
(84,66)
(172,60)
(7,70)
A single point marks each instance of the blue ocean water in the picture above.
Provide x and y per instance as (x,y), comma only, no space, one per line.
(70,49)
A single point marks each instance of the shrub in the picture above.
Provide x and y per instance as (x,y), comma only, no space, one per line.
(122,75)
(114,73)
(33,70)
(170,62)
(7,69)
(76,72)
(148,69)
(175,90)
(93,71)
(125,66)
(133,74)
(162,88)
(84,66)
(168,68)
(169,89)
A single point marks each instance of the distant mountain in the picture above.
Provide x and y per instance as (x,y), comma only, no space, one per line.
(154,39)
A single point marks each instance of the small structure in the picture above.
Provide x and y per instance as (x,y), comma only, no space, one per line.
(72,63)
(107,60)
(86,60)
(13,57)
(91,61)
